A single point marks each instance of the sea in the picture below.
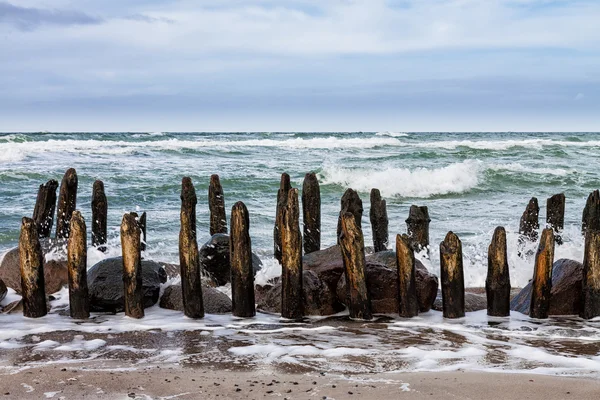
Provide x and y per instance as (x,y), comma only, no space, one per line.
(470,182)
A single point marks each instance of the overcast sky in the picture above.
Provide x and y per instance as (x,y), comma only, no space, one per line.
(299,65)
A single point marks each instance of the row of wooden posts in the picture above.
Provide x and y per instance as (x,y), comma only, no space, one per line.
(288,244)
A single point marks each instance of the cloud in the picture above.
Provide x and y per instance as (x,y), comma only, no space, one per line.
(31,18)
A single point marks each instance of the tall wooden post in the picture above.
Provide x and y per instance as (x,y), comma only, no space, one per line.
(417,226)
(351,203)
(591,213)
(79,302)
(497,283)
(555,215)
(408,305)
(591,275)
(31,262)
(45,204)
(143,225)
(240,253)
(453,281)
(529,224)
(67,202)
(216,206)
(99,216)
(311,213)
(379,221)
(132,266)
(282,193)
(292,296)
(353,254)
(542,276)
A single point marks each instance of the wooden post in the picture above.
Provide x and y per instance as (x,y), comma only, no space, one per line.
(79,301)
(240,253)
(529,224)
(591,213)
(132,266)
(542,276)
(311,213)
(379,221)
(99,216)
(292,296)
(555,215)
(591,275)
(189,260)
(453,281)
(497,283)
(282,193)
(142,223)
(417,226)
(31,262)
(351,203)
(45,204)
(216,205)
(67,202)
(353,254)
(408,305)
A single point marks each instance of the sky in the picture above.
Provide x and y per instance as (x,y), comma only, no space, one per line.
(299,65)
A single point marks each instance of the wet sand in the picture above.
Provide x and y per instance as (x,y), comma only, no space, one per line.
(155,382)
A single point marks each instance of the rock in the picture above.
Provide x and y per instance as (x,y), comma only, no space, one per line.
(105,284)
(214,259)
(566,294)
(3,290)
(318,299)
(215,302)
(17,307)
(473,301)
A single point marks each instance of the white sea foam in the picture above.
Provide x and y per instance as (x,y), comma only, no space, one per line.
(504,144)
(518,167)
(392,134)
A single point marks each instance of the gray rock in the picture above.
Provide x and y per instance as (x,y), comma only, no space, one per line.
(3,290)
(214,259)
(215,302)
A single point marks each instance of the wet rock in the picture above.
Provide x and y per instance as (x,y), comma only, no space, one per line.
(215,302)
(105,284)
(473,301)
(3,290)
(214,259)
(566,294)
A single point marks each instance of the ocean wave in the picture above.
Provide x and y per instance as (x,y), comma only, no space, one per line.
(392,134)
(504,144)
(420,182)
(517,167)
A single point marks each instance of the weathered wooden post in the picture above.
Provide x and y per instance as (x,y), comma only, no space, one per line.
(497,283)
(311,213)
(132,266)
(529,224)
(31,261)
(282,193)
(189,260)
(379,221)
(555,215)
(542,276)
(417,227)
(99,216)
(351,203)
(67,202)
(453,281)
(353,254)
(143,226)
(591,213)
(591,275)
(79,302)
(216,206)
(240,253)
(292,295)
(408,305)
(45,204)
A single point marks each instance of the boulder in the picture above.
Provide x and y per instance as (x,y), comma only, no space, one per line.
(318,299)
(475,299)
(214,259)
(3,290)
(566,295)
(327,264)
(215,302)
(105,284)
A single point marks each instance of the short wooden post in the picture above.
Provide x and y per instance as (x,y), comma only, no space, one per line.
(99,216)
(311,213)
(408,305)
(67,202)
(240,253)
(143,225)
(591,213)
(132,266)
(379,221)
(353,254)
(31,262)
(417,227)
(45,204)
(497,283)
(529,224)
(79,302)
(282,193)
(351,203)
(453,282)
(555,215)
(292,296)
(216,206)
(542,276)
(591,275)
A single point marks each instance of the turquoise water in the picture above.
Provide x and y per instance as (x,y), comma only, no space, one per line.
(471,182)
